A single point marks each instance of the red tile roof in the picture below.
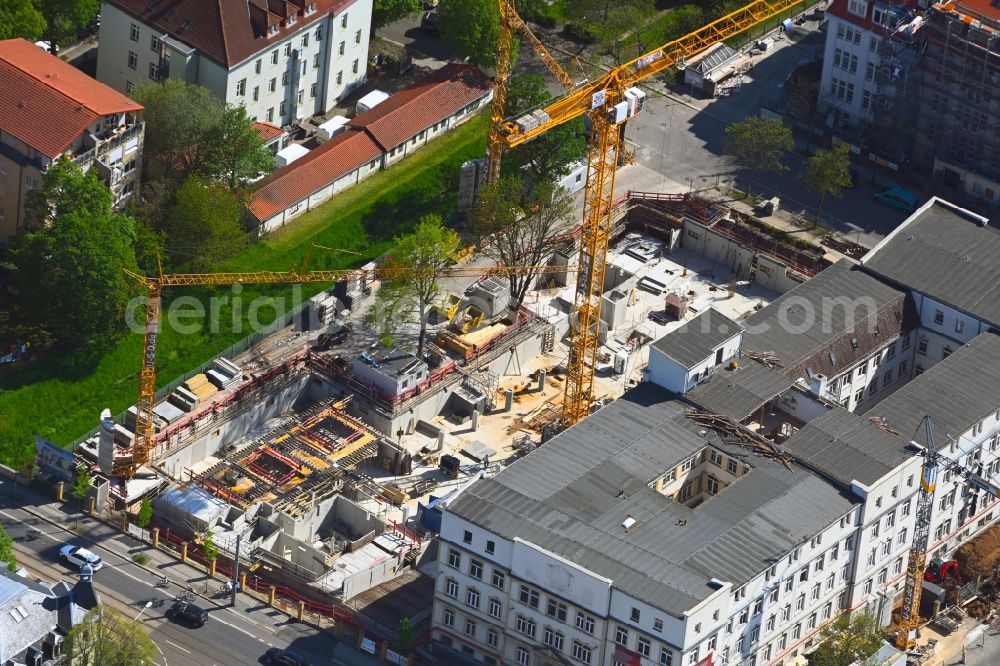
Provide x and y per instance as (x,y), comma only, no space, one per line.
(426,102)
(340,155)
(227,31)
(267,131)
(981,8)
(838,8)
(47,103)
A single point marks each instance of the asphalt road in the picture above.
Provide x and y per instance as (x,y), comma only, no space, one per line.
(229,638)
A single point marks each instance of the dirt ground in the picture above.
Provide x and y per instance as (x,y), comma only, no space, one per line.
(979,555)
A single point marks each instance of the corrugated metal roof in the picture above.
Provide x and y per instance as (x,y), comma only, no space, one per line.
(739,393)
(696,340)
(572,495)
(947,255)
(832,322)
(714,58)
(957,393)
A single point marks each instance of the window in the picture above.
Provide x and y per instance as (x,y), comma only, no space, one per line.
(745,616)
(492,637)
(523,655)
(770,623)
(732,466)
(490,547)
(800,603)
(585,623)
(556,609)
(552,638)
(903,366)
(754,634)
(449,617)
(897,567)
(495,607)
(134,33)
(472,597)
(343,21)
(454,557)
(291,19)
(642,646)
(340,78)
(882,576)
(340,48)
(316,61)
(788,584)
(804,574)
(658,623)
(274,57)
(938,317)
(305,40)
(786,612)
(875,527)
(154,44)
(829,581)
(815,592)
(498,579)
(582,653)
(154,71)
(451,587)
(697,628)
(621,635)
(133,60)
(476,569)
(128,88)
(256,93)
(667,657)
(715,457)
(270,115)
(713,485)
(868,587)
(470,628)
(357,37)
(288,49)
(872,556)
(284,78)
(529,596)
(241,88)
(906,342)
(272,84)
(525,625)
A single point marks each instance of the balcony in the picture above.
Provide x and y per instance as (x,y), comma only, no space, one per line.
(111,139)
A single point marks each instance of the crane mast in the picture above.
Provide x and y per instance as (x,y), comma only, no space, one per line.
(917,559)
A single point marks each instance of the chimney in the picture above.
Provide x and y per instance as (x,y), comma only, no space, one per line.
(84,594)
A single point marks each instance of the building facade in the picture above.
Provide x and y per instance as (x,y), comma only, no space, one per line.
(283,61)
(957,142)
(51,111)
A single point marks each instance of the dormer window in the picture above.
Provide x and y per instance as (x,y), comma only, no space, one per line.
(291,19)
(310,8)
(272,29)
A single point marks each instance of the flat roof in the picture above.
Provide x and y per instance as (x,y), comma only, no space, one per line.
(572,495)
(831,322)
(739,393)
(697,339)
(947,253)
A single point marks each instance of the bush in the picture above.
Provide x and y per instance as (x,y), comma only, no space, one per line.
(582,32)
(140,558)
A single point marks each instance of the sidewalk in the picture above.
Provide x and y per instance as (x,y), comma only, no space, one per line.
(187,575)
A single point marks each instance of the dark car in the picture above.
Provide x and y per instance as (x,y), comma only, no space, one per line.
(284,658)
(428,22)
(187,612)
(337,334)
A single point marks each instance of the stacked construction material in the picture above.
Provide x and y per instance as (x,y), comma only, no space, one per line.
(201,387)
(183,399)
(224,374)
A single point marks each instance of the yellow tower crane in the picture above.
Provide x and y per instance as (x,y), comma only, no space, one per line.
(609,100)
(144,432)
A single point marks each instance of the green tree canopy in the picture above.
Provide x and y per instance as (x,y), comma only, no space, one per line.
(69,272)
(828,172)
(549,156)
(208,546)
(145,514)
(848,640)
(423,253)
(63,17)
(472,27)
(385,12)
(758,145)
(204,224)
(618,26)
(21,18)
(7,555)
(105,637)
(239,155)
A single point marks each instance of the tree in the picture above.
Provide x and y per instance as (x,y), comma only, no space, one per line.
(523,227)
(145,515)
(7,554)
(238,155)
(209,548)
(472,27)
(618,26)
(81,488)
(758,145)
(105,637)
(827,173)
(389,313)
(180,119)
(69,272)
(63,17)
(848,640)
(21,18)
(549,156)
(385,12)
(404,634)
(204,225)
(423,254)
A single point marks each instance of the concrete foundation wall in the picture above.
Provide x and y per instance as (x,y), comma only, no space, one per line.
(717,247)
(774,275)
(232,430)
(300,553)
(365,580)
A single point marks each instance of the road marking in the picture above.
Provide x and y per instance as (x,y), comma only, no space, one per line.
(182,649)
(239,629)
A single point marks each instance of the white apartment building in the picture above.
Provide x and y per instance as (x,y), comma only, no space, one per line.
(283,60)
(852,59)
(639,537)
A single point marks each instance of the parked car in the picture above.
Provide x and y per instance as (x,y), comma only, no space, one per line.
(78,556)
(187,612)
(337,334)
(281,657)
(428,22)
(898,198)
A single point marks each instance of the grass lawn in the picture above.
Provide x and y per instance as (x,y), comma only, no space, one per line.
(61,398)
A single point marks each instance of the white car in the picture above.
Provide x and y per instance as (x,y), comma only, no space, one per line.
(79,556)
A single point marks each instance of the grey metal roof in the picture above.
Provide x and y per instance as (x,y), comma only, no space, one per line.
(944,253)
(830,323)
(572,495)
(697,339)
(739,393)
(957,393)
(714,58)
(847,447)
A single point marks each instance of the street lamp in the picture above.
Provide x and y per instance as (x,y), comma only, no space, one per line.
(143,610)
